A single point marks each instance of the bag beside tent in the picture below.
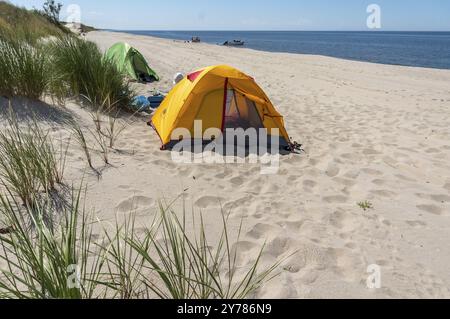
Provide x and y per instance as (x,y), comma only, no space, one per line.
(130,61)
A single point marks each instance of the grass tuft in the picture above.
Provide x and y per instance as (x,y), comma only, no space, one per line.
(29,163)
(82,142)
(366,205)
(88,74)
(48,263)
(172,264)
(24,70)
(69,261)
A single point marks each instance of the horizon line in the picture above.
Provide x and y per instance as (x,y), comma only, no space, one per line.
(236,30)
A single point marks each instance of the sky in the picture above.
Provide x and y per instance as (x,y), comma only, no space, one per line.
(298,15)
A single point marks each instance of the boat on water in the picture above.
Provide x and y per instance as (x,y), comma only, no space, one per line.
(234,43)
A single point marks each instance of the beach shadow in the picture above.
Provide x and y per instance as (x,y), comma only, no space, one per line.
(228,149)
(26,109)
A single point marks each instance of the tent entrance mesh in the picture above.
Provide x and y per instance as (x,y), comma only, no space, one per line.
(240,112)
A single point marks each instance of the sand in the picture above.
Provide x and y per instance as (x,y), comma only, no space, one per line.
(371,132)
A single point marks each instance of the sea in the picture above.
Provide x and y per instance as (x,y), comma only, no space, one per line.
(416,49)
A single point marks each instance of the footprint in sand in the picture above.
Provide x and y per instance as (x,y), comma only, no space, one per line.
(372,172)
(351,246)
(379,182)
(209,201)
(432,151)
(279,246)
(296,263)
(237,181)
(440,198)
(242,250)
(332,170)
(353,174)
(313,162)
(432,209)
(271,188)
(416,223)
(317,257)
(241,203)
(309,183)
(345,182)
(261,231)
(384,193)
(291,227)
(350,156)
(336,199)
(135,202)
(185,172)
(338,219)
(369,152)
(165,164)
(243,246)
(256,190)
(390,161)
(222,175)
(405,178)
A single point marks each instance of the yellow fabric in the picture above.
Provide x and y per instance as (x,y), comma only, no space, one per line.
(203,99)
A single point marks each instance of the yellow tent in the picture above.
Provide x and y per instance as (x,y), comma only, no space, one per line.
(221,97)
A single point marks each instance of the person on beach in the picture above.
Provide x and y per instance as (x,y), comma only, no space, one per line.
(177,78)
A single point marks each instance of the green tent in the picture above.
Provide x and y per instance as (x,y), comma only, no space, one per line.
(131,62)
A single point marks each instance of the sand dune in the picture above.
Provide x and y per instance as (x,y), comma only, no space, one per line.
(371,133)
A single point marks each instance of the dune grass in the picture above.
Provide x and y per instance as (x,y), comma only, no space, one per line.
(80,137)
(66,67)
(88,74)
(115,127)
(24,68)
(188,266)
(68,261)
(24,64)
(29,161)
(43,262)
(27,25)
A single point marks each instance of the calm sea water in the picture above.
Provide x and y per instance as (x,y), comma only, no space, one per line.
(421,49)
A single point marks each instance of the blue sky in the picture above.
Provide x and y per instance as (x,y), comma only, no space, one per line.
(416,15)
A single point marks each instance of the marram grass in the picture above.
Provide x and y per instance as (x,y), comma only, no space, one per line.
(82,67)
(24,70)
(191,267)
(44,262)
(29,162)
(69,261)
(61,67)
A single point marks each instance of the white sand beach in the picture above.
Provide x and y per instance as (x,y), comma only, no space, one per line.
(371,132)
